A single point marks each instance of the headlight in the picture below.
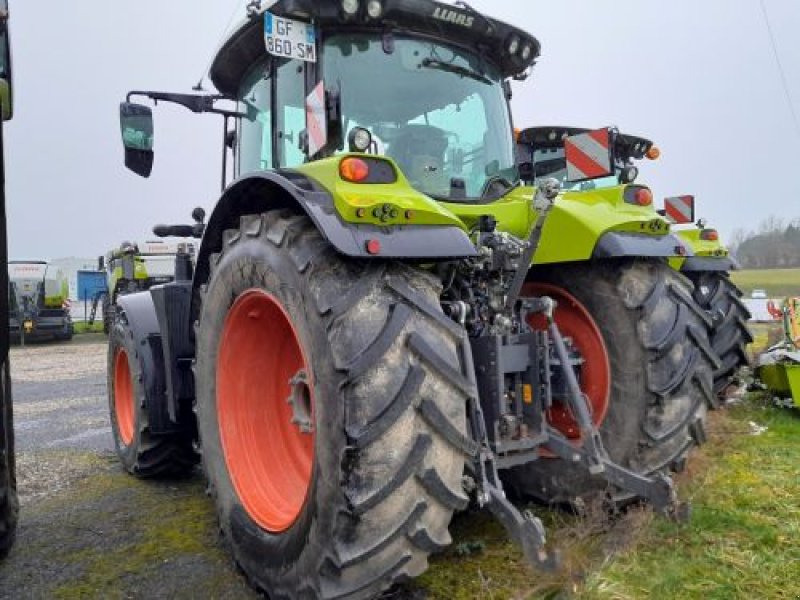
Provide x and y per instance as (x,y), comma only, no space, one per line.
(374,9)
(513,44)
(350,7)
(526,52)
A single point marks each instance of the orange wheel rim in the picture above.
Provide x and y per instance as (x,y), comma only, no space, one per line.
(575,322)
(123,397)
(265,410)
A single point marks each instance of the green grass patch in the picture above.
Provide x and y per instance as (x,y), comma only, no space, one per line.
(741,541)
(84,327)
(777,282)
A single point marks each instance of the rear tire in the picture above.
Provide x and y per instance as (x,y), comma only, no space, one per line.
(387,403)
(660,374)
(9,507)
(717,294)
(141,453)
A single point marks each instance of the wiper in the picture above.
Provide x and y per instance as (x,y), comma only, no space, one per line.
(496,187)
(432,63)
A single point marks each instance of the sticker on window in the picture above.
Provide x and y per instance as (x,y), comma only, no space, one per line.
(287,38)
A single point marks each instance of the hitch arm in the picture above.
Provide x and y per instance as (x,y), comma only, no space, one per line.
(524,527)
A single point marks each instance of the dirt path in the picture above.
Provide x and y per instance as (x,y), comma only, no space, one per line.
(87,530)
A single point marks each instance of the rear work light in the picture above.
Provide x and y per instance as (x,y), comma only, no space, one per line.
(638,195)
(709,235)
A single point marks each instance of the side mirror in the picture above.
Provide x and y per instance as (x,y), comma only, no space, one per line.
(136,128)
(589,155)
(6,88)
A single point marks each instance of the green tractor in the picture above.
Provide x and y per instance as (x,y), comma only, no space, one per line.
(132,269)
(362,346)
(709,268)
(8,483)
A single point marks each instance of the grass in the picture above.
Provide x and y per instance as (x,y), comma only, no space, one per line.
(740,543)
(79,327)
(778,283)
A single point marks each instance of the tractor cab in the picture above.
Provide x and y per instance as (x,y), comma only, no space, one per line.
(421,83)
(542,152)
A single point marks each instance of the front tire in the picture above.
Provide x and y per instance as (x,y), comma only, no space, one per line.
(657,385)
(717,294)
(141,453)
(377,453)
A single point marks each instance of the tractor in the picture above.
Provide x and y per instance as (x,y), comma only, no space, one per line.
(8,482)
(383,324)
(709,269)
(700,255)
(132,269)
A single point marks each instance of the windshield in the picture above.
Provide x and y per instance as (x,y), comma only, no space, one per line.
(550,162)
(439,112)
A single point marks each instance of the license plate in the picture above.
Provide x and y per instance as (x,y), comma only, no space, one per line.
(288,38)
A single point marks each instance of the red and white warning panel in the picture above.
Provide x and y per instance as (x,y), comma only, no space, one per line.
(679,209)
(589,155)
(316,123)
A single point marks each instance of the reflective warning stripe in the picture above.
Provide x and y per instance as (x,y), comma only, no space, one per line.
(679,209)
(587,155)
(316,123)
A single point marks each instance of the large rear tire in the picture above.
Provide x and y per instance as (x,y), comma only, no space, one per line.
(141,453)
(717,294)
(9,507)
(331,406)
(657,382)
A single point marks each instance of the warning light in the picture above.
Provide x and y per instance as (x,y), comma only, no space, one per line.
(527,393)
(653,153)
(353,169)
(373,247)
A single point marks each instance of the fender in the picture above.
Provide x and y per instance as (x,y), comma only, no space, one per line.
(616,244)
(709,263)
(140,313)
(583,225)
(267,190)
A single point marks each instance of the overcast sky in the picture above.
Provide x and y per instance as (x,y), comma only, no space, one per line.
(698,77)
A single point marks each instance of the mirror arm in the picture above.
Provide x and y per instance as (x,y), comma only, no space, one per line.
(194,102)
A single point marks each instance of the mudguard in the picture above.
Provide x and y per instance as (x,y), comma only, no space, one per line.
(140,313)
(615,244)
(709,263)
(267,190)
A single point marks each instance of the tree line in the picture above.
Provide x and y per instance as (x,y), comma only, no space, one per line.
(774,244)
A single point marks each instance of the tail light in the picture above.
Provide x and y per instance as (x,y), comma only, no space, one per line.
(638,195)
(709,235)
(354,170)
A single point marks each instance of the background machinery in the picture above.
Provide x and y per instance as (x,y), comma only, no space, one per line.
(134,269)
(709,268)
(361,346)
(39,306)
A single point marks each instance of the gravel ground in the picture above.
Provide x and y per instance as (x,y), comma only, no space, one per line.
(87,529)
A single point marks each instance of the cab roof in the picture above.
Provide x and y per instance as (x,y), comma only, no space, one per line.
(457,25)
